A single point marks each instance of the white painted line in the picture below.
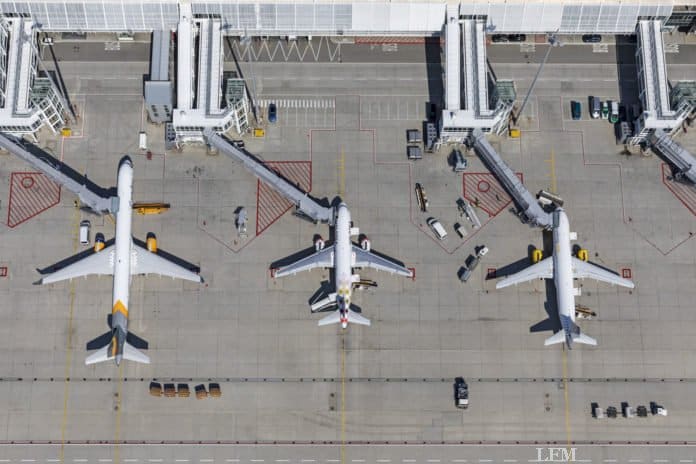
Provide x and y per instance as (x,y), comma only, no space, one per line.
(282,460)
(79,460)
(130,460)
(27,460)
(485,460)
(583,460)
(459,460)
(52,460)
(686,460)
(357,460)
(105,460)
(181,460)
(333,460)
(433,460)
(206,460)
(660,460)
(231,460)
(408,460)
(384,460)
(610,460)
(155,460)
(635,460)
(307,460)
(509,460)
(256,460)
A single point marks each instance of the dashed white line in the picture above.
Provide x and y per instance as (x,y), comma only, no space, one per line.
(408,460)
(333,460)
(610,460)
(307,460)
(282,460)
(583,460)
(131,460)
(181,460)
(79,460)
(433,460)
(206,460)
(231,460)
(635,460)
(660,460)
(256,460)
(52,460)
(155,460)
(384,460)
(105,460)
(357,460)
(28,460)
(459,460)
(686,460)
(509,460)
(485,460)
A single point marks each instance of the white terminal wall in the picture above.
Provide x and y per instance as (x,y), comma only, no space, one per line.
(349,18)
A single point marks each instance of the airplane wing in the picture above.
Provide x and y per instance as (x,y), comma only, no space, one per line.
(100,263)
(584,270)
(541,270)
(366,259)
(145,262)
(322,258)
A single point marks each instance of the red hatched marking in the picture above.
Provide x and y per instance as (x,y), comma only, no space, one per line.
(270,205)
(3,271)
(31,193)
(483,190)
(626,273)
(684,193)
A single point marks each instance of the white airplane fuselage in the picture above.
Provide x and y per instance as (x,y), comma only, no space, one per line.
(122,259)
(343,263)
(563,271)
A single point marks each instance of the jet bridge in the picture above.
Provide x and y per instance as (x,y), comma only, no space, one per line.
(682,162)
(305,205)
(658,113)
(94,201)
(524,200)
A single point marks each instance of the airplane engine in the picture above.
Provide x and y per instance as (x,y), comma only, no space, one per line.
(99,242)
(319,243)
(151,242)
(365,243)
(583,254)
(537,255)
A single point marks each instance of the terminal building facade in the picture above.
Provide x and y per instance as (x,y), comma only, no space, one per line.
(353,18)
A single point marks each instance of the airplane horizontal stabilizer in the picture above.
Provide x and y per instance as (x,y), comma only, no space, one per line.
(100,356)
(356,318)
(585,339)
(558,337)
(132,354)
(333,318)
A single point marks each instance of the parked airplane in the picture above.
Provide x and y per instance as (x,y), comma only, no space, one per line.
(563,268)
(121,260)
(343,256)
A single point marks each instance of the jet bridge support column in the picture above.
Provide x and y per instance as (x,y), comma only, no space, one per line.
(305,205)
(524,200)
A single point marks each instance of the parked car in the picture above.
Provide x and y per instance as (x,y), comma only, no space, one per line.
(517,37)
(461,393)
(605,109)
(614,114)
(595,107)
(272,113)
(437,228)
(499,38)
(575,110)
(591,38)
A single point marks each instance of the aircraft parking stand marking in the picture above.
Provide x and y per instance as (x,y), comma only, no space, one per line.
(483,190)
(31,193)
(270,205)
(684,193)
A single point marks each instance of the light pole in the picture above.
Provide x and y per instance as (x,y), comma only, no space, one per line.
(553,42)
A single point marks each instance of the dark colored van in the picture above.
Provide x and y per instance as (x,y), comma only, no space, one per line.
(575,110)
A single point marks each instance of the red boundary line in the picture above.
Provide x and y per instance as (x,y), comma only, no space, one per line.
(612,443)
(9,208)
(674,191)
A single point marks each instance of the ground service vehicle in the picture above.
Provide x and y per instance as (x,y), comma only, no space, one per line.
(605,109)
(575,110)
(272,113)
(595,107)
(461,393)
(437,228)
(84,232)
(614,114)
(421,198)
(592,38)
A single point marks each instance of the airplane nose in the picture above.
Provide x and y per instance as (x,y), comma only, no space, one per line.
(118,359)
(344,324)
(126,161)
